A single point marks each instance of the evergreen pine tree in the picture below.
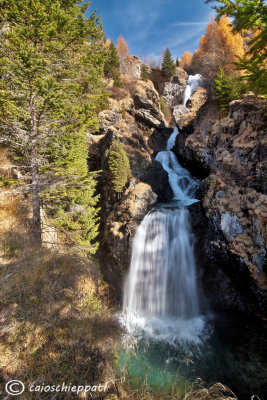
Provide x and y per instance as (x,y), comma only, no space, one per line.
(52,61)
(112,65)
(119,166)
(168,65)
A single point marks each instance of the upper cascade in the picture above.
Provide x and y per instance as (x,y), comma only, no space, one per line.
(194,81)
(182,183)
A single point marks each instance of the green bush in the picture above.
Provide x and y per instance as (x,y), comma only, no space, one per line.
(119,166)
(226,88)
(144,72)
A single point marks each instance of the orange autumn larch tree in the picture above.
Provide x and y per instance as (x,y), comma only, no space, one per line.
(218,47)
(186,61)
(122,47)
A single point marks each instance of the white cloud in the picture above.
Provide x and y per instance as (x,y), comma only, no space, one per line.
(176,24)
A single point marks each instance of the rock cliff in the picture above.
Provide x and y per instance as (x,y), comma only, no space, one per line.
(227,151)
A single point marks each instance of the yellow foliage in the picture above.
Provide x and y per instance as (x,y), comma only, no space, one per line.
(186,60)
(122,47)
(218,47)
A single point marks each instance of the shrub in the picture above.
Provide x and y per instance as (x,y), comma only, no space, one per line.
(226,88)
(144,73)
(119,166)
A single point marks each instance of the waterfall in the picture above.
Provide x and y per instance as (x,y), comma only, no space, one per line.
(160,293)
(194,82)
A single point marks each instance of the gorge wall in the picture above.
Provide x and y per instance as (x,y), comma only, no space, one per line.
(227,150)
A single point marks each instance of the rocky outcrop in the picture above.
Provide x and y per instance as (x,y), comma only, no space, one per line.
(185,115)
(171,89)
(157,141)
(131,66)
(229,151)
(179,113)
(146,105)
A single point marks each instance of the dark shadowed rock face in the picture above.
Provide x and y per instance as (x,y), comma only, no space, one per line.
(229,151)
(157,141)
(226,281)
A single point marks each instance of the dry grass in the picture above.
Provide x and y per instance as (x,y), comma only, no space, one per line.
(216,391)
(4,162)
(165,110)
(198,391)
(118,93)
(130,84)
(54,325)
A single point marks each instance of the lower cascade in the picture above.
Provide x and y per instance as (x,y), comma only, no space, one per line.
(160,294)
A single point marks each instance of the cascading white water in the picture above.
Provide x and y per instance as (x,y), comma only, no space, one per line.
(194,82)
(162,278)
(160,294)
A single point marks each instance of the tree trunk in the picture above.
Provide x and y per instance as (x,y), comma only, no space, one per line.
(35,178)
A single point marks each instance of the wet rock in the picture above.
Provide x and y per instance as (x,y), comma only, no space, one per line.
(158,139)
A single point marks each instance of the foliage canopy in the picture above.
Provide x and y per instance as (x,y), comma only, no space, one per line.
(220,46)
(250,20)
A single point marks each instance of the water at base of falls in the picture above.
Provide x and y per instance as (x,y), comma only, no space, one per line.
(160,294)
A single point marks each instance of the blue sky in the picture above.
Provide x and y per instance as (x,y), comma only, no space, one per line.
(149,26)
